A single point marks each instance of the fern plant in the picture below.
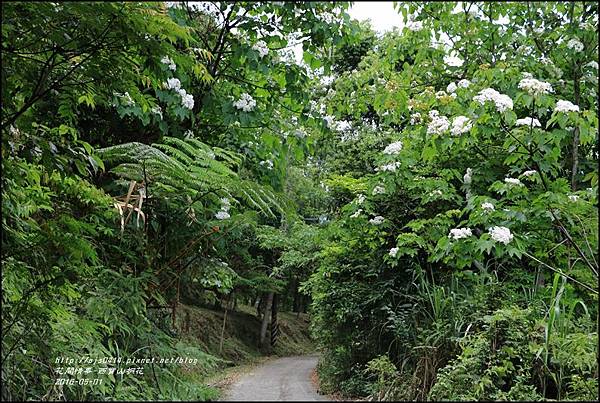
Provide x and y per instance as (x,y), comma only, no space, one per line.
(190,169)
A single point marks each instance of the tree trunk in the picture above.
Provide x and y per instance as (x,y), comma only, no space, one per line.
(265,323)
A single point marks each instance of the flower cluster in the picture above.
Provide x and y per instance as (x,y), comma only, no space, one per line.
(391,167)
(187,100)
(468,176)
(361,198)
(415,118)
(460,125)
(575,45)
(393,252)
(458,233)
(376,220)
(378,190)
(157,111)
(535,87)
(223,214)
(487,206)
(356,213)
(502,101)
(169,62)
(393,148)
(464,83)
(501,234)
(513,181)
(245,103)
(262,48)
(528,121)
(451,88)
(438,124)
(565,106)
(173,84)
(529,173)
(126,99)
(267,164)
(453,61)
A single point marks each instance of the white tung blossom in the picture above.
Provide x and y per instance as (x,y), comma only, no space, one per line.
(535,87)
(356,214)
(361,198)
(453,61)
(187,100)
(513,181)
(393,252)
(438,124)
(501,234)
(592,65)
(391,167)
(262,48)
(468,176)
(393,148)
(415,118)
(246,103)
(565,106)
(157,111)
(376,220)
(378,190)
(487,206)
(528,122)
(464,83)
(529,173)
(222,215)
(460,125)
(451,88)
(169,62)
(267,164)
(573,198)
(173,84)
(458,233)
(502,101)
(575,45)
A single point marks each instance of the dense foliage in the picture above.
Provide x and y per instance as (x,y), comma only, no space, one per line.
(431,192)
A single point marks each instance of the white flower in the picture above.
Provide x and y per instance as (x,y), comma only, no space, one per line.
(262,48)
(126,99)
(527,74)
(356,213)
(225,204)
(378,190)
(527,122)
(187,100)
(267,163)
(414,25)
(464,83)
(392,166)
(467,177)
(438,124)
(573,198)
(377,220)
(461,124)
(453,61)
(535,87)
(168,61)
(415,118)
(575,45)
(245,103)
(565,106)
(458,233)
(361,198)
(440,94)
(393,148)
(393,252)
(513,181)
(451,87)
(487,206)
(222,215)
(501,234)
(157,111)
(502,101)
(188,134)
(529,173)
(329,121)
(436,192)
(592,65)
(173,84)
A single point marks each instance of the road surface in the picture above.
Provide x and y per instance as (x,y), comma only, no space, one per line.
(282,379)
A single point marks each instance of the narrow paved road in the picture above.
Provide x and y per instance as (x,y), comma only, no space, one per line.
(282,379)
